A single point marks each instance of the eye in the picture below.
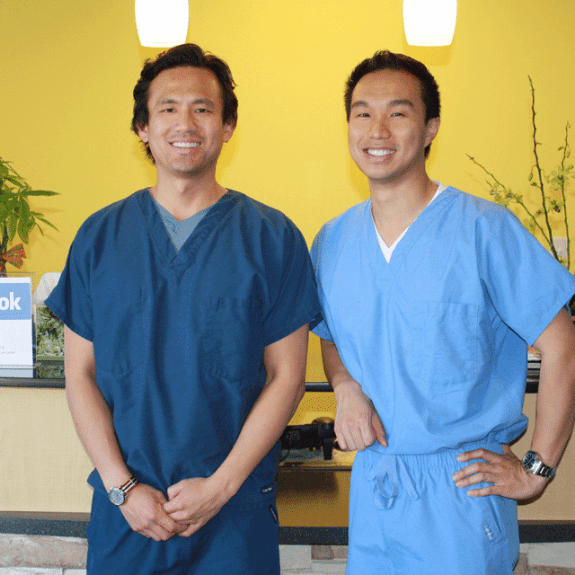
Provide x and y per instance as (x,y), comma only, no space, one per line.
(168,110)
(396,114)
(203,110)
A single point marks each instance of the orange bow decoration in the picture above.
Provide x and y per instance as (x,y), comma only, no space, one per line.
(14,255)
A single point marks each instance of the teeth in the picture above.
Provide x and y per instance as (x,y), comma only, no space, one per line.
(378,152)
(185,144)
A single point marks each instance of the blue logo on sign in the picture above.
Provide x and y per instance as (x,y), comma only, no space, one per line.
(15,301)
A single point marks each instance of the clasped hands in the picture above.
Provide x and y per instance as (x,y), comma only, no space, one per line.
(191,503)
(357,426)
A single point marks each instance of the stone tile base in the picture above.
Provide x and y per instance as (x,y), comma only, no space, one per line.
(44,555)
(551,571)
(17,551)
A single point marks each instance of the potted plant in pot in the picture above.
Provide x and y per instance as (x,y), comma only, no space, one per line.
(16,217)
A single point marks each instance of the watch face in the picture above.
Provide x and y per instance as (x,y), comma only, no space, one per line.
(529,460)
(116,496)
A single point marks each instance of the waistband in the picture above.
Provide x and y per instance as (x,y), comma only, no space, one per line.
(390,473)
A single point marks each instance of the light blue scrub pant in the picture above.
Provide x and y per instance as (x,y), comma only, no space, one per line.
(407,517)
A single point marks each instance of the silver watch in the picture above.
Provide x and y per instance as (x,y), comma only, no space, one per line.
(117,495)
(532,464)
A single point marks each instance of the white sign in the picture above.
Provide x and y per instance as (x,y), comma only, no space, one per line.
(16,326)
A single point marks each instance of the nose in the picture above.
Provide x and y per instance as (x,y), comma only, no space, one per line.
(378,128)
(187,120)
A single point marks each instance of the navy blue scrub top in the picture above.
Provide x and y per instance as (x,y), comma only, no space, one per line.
(179,337)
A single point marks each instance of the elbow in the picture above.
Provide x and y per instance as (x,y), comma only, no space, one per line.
(300,391)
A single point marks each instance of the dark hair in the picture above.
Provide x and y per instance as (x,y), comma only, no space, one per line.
(386,60)
(183,55)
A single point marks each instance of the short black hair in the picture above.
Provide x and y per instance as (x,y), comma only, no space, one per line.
(183,55)
(386,60)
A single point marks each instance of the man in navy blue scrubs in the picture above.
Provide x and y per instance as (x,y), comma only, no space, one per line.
(186,308)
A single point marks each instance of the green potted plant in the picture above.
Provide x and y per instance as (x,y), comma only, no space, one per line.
(16,217)
(551,197)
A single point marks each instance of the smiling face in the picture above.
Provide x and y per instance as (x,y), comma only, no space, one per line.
(185,130)
(387,132)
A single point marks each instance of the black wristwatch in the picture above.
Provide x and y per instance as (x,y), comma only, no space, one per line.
(117,495)
(532,464)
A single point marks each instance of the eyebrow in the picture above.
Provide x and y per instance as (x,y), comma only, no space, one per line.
(401,102)
(194,103)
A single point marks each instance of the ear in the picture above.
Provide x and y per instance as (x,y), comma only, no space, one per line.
(431,130)
(143,133)
(228,132)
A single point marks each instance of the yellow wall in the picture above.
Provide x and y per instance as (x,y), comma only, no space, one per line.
(68,69)
(66,75)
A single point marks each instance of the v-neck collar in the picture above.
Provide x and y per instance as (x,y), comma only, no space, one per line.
(388,251)
(177,262)
(386,272)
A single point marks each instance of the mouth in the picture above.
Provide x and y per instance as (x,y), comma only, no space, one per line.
(378,153)
(185,145)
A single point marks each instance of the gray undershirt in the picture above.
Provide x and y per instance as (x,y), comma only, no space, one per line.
(179,232)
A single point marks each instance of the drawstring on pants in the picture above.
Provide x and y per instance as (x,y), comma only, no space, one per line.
(391,472)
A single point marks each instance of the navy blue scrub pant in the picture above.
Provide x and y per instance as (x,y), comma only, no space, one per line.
(237,541)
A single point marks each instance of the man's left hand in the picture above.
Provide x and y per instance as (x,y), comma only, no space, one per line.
(505,472)
(194,502)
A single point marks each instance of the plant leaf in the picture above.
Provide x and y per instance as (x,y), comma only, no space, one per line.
(23,231)
(28,192)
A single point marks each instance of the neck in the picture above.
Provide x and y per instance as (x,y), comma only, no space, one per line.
(396,207)
(184,198)
(403,199)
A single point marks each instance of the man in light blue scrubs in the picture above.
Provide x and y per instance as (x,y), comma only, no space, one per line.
(430,298)
(186,308)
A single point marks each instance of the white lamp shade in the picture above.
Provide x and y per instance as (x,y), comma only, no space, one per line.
(162,23)
(429,22)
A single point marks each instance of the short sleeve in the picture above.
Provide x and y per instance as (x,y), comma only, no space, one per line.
(321,329)
(295,301)
(70,300)
(527,286)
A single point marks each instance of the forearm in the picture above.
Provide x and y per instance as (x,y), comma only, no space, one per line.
(336,373)
(357,424)
(91,414)
(93,423)
(260,433)
(555,407)
(555,410)
(269,416)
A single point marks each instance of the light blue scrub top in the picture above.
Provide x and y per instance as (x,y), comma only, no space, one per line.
(438,336)
(179,337)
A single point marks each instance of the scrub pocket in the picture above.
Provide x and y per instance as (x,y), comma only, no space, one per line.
(447,339)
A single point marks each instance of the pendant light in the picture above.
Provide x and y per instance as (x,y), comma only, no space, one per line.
(162,23)
(429,22)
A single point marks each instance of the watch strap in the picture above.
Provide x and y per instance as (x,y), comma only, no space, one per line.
(130,484)
(532,464)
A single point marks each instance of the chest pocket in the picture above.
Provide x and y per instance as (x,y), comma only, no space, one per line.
(447,341)
(231,340)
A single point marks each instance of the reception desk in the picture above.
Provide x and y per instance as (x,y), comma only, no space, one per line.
(43,470)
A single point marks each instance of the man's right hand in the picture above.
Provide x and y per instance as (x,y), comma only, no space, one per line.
(143,510)
(357,424)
